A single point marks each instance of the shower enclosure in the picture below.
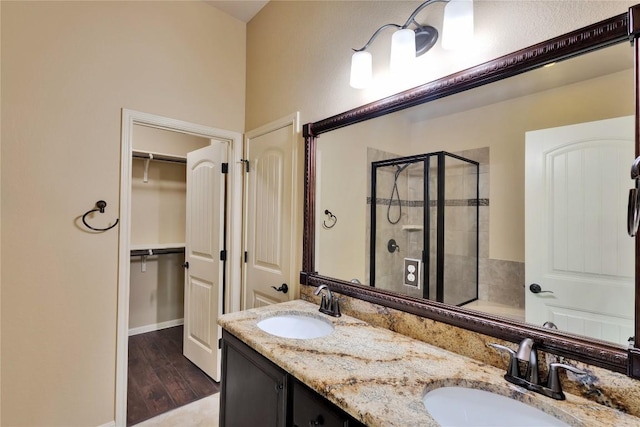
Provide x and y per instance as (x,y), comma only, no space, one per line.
(424,227)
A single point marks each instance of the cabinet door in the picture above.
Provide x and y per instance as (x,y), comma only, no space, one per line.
(310,410)
(253,391)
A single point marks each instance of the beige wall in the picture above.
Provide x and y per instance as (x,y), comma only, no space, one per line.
(156,294)
(162,141)
(158,216)
(343,187)
(68,68)
(158,206)
(299,52)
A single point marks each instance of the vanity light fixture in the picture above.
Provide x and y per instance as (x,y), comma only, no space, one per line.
(408,43)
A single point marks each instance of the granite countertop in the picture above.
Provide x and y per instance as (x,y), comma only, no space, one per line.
(379,377)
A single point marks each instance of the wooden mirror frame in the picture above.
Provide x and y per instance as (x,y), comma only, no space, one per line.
(621,28)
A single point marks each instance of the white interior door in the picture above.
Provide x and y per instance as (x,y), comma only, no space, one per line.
(203,295)
(270,211)
(576,246)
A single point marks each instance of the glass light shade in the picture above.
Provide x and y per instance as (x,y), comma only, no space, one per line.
(403,50)
(361,70)
(457,28)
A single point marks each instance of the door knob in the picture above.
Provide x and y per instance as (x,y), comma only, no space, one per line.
(283,288)
(537,289)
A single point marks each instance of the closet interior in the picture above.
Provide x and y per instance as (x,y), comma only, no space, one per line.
(157,276)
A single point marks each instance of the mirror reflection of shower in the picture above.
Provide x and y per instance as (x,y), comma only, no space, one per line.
(394,192)
(430,202)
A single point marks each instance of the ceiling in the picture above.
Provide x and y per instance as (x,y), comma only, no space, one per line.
(242,10)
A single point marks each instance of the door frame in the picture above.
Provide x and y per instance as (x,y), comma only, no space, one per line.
(234,229)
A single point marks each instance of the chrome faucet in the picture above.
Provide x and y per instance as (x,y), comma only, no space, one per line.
(329,304)
(530,380)
(528,353)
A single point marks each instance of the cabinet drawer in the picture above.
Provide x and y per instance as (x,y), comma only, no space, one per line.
(310,410)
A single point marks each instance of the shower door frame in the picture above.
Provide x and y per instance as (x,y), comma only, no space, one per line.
(426,220)
(374,199)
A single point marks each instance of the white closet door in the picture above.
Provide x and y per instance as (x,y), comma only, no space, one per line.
(270,210)
(576,245)
(203,296)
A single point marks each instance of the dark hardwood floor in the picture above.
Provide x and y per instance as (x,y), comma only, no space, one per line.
(160,378)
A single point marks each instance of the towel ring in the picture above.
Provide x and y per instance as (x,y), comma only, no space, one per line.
(100,205)
(332,218)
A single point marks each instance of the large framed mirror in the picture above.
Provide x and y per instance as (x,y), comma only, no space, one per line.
(491,198)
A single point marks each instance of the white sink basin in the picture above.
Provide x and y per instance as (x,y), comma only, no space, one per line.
(461,406)
(296,326)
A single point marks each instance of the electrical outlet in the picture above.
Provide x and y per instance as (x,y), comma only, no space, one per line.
(411,272)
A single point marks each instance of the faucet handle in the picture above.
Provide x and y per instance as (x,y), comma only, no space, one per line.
(553,382)
(324,303)
(335,307)
(512,370)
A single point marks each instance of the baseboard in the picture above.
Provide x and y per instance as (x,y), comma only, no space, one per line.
(155,327)
(109,424)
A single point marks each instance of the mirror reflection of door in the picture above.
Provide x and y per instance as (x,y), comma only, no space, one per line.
(576,248)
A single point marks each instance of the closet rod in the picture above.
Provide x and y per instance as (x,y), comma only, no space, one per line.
(163,251)
(160,157)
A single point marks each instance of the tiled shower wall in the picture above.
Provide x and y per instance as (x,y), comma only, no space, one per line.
(499,281)
(461,226)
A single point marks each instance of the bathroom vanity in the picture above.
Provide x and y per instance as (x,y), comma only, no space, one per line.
(358,374)
(255,391)
(382,375)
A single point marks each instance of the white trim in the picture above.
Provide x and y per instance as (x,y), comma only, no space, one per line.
(155,327)
(109,424)
(292,120)
(234,139)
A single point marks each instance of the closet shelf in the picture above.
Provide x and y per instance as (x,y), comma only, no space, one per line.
(157,246)
(157,249)
(150,155)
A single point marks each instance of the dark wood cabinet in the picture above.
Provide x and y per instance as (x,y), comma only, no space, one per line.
(256,392)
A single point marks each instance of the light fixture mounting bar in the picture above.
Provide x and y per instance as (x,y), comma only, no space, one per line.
(373,37)
(432,32)
(412,17)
